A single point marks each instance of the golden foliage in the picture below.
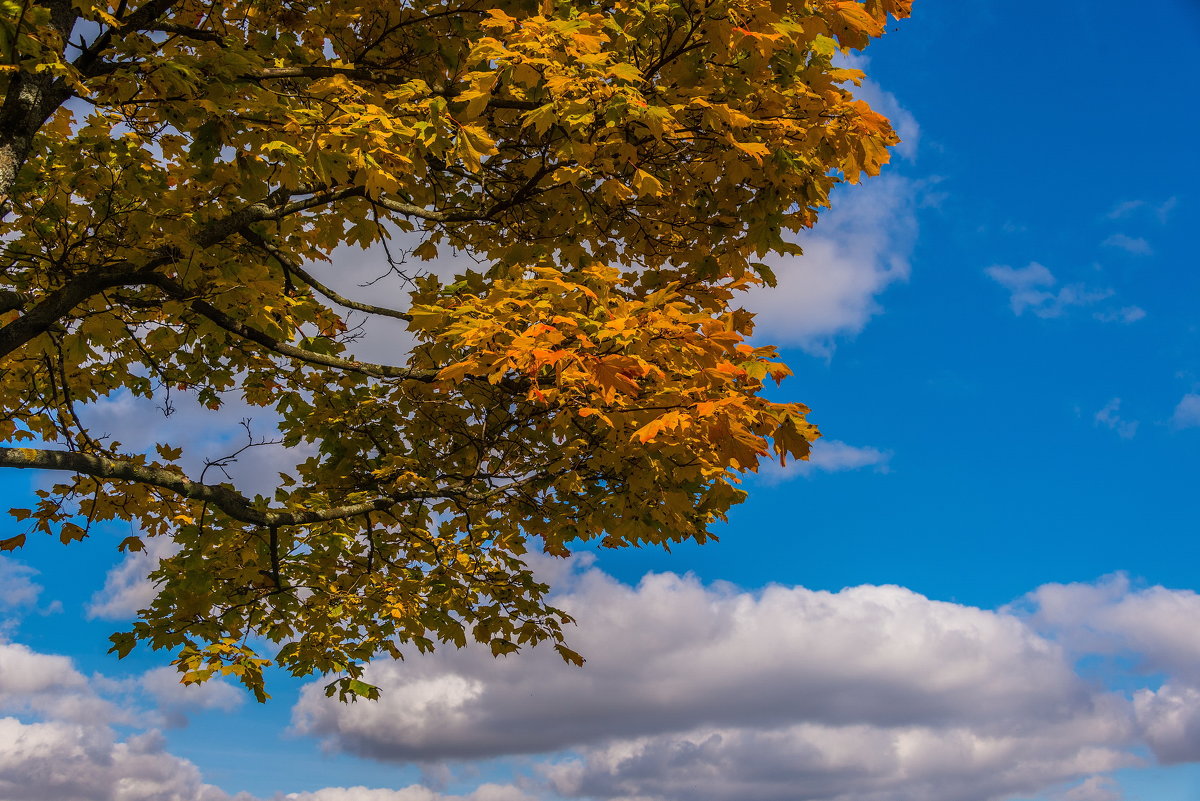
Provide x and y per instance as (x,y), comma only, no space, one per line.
(172,175)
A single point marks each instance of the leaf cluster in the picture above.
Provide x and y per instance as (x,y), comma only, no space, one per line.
(175,175)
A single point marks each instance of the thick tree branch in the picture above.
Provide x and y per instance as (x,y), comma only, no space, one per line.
(222,496)
(57,304)
(142,18)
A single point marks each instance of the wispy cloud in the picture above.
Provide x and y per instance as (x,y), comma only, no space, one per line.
(1109,417)
(1138,246)
(1032,288)
(17,587)
(1125,208)
(1125,314)
(1187,412)
(127,587)
(1131,208)
(827,456)
(1035,289)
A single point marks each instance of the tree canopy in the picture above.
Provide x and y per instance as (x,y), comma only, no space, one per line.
(174,175)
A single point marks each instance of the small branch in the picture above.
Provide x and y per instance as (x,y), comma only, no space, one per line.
(223,320)
(293,267)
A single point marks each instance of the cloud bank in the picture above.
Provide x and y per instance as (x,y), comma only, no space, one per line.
(698,692)
(708,692)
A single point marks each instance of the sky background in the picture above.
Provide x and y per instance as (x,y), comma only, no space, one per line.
(983,586)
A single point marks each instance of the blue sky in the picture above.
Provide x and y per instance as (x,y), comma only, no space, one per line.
(983,588)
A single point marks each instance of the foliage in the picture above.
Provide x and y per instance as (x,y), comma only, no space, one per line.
(175,173)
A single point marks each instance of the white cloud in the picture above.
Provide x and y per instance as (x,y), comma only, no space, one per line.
(1031,288)
(17,589)
(486,792)
(1155,625)
(1094,788)
(1125,208)
(174,700)
(827,456)
(364,275)
(859,248)
(707,693)
(1111,616)
(204,434)
(70,751)
(1138,246)
(1170,720)
(56,761)
(833,456)
(127,587)
(1125,315)
(47,685)
(886,103)
(809,762)
(1109,417)
(710,693)
(1187,413)
(1161,211)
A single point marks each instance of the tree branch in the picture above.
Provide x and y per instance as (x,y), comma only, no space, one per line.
(233,326)
(222,496)
(57,304)
(292,266)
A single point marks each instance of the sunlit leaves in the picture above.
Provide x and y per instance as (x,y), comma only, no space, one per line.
(615,171)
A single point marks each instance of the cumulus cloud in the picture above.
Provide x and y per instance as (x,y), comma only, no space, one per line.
(82,762)
(173,699)
(706,692)
(1152,625)
(1109,417)
(1111,616)
(57,742)
(1031,288)
(850,763)
(858,249)
(1187,412)
(48,685)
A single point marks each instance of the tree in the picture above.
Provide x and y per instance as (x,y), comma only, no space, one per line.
(175,173)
